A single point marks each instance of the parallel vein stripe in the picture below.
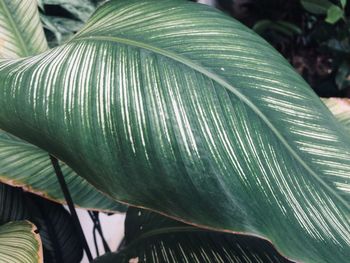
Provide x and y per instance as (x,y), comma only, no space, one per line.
(158,133)
(21,33)
(13,26)
(222,82)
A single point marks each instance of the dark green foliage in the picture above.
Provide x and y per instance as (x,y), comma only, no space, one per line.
(61,243)
(63,18)
(149,235)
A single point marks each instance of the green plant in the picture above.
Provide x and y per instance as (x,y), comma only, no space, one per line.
(145,105)
(63,18)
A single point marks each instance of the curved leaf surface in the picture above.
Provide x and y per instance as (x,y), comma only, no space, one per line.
(21,33)
(150,237)
(22,164)
(25,165)
(20,243)
(175,107)
(12,204)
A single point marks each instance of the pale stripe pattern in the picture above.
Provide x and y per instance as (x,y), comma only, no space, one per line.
(21,33)
(20,243)
(175,107)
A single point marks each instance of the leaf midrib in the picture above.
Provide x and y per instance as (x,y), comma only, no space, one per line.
(16,32)
(221,82)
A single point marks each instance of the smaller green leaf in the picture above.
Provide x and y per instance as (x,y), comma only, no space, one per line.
(334,14)
(294,29)
(20,243)
(27,166)
(343,3)
(60,240)
(21,31)
(150,237)
(280,26)
(62,29)
(342,79)
(317,7)
(41,4)
(80,9)
(262,25)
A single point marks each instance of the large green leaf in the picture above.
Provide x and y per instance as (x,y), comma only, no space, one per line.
(60,239)
(150,237)
(22,164)
(173,106)
(21,33)
(25,165)
(20,243)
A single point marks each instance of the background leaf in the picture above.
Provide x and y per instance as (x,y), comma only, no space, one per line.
(318,7)
(334,14)
(223,136)
(60,240)
(62,19)
(25,165)
(150,237)
(343,3)
(20,243)
(57,230)
(20,27)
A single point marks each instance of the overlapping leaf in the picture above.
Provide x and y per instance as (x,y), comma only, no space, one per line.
(61,26)
(61,243)
(60,238)
(20,243)
(150,237)
(22,164)
(21,33)
(175,107)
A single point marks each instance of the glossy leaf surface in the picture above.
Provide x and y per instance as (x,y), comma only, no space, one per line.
(19,243)
(22,164)
(150,237)
(175,107)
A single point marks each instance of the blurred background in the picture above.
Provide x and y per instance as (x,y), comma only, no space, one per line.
(313,35)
